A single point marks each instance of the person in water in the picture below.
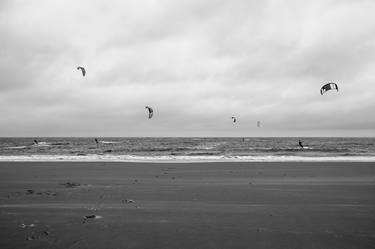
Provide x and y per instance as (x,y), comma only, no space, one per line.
(96,141)
(300,144)
(35,141)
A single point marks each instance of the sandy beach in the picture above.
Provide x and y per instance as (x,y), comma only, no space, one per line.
(187,205)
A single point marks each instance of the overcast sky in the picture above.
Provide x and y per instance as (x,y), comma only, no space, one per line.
(196,62)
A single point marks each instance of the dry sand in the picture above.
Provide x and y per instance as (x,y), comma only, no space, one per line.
(197,205)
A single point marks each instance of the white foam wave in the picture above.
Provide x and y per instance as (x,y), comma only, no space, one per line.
(15,147)
(41,144)
(109,142)
(133,158)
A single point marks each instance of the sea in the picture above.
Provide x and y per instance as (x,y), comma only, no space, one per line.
(187,149)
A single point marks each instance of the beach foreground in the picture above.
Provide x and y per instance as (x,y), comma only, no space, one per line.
(187,205)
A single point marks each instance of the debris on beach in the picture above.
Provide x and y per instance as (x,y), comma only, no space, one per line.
(127,201)
(93,208)
(90,217)
(70,185)
(34,237)
(47,193)
(33,192)
(30,191)
(24,225)
(15,194)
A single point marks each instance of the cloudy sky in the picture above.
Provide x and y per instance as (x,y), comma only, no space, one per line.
(196,62)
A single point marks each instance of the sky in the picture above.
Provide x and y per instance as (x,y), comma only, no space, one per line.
(197,63)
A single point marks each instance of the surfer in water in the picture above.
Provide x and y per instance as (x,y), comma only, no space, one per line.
(96,141)
(300,144)
(36,142)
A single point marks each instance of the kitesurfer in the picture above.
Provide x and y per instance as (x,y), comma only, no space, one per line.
(300,144)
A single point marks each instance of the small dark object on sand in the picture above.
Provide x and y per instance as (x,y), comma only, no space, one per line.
(45,233)
(71,184)
(30,238)
(127,201)
(30,191)
(87,217)
(25,225)
(90,216)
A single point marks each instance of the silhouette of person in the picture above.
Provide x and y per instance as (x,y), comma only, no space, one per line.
(300,144)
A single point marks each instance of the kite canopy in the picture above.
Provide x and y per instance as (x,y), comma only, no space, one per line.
(258,123)
(83,70)
(234,119)
(328,87)
(150,111)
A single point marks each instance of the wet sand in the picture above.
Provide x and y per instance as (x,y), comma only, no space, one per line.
(197,205)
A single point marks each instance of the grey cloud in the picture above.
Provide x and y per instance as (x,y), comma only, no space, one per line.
(196,62)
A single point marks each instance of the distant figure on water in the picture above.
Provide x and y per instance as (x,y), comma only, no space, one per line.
(300,144)
(36,142)
(96,141)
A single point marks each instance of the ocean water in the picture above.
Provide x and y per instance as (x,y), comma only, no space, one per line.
(187,149)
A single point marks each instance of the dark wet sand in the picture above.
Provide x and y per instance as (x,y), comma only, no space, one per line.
(198,205)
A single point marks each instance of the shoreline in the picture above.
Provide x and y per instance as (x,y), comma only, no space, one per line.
(182,159)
